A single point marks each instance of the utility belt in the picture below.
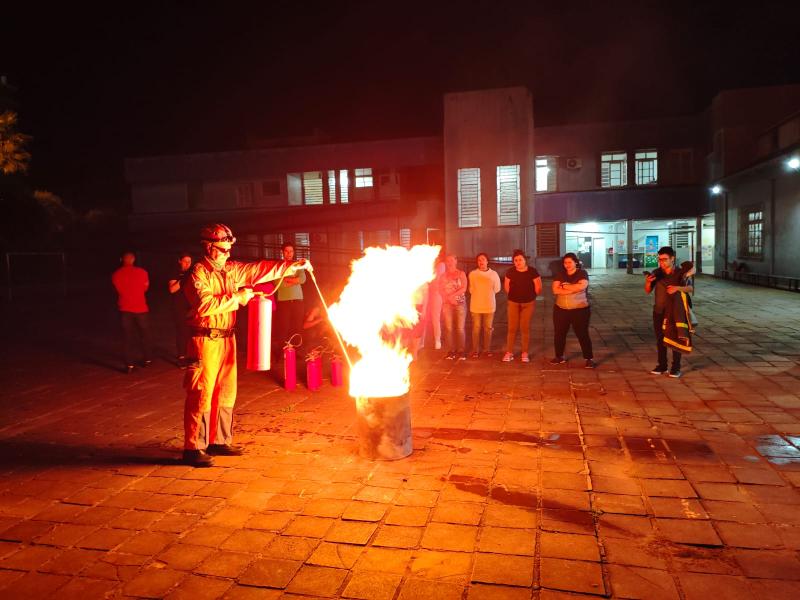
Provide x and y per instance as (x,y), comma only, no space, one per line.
(212,332)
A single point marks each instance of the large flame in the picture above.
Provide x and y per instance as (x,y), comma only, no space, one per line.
(378,301)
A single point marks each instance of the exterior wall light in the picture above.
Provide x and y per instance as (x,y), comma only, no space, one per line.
(716,190)
(793,163)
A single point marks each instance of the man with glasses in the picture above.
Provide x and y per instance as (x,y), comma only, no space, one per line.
(216,288)
(666,280)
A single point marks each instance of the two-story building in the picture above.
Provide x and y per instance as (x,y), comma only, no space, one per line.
(493,181)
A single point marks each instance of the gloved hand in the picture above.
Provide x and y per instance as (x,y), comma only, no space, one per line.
(304,264)
(244,295)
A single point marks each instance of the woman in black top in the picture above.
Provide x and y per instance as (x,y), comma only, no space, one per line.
(522,284)
(571,308)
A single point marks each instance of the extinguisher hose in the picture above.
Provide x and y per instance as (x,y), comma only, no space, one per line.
(325,304)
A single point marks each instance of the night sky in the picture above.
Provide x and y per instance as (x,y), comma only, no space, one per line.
(96,85)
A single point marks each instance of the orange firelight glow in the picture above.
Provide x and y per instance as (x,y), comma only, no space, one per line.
(377,302)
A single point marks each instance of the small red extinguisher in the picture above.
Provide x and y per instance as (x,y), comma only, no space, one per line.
(289,366)
(314,371)
(337,371)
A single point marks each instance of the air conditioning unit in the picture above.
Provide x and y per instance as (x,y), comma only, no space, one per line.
(573,164)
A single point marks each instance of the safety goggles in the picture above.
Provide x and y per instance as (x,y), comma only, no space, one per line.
(226,238)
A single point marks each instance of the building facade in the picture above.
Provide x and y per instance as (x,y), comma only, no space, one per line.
(493,181)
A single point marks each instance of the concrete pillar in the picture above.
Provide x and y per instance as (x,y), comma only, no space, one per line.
(629,232)
(698,244)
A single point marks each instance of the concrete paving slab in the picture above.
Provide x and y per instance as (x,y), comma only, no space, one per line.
(526,480)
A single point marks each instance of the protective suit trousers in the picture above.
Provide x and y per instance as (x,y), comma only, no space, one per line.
(210,385)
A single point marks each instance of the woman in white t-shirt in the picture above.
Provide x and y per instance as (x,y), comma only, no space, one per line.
(484,284)
(571,308)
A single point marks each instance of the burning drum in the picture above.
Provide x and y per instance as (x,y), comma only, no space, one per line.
(384,427)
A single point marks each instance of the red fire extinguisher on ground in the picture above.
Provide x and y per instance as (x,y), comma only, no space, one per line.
(314,370)
(290,364)
(337,371)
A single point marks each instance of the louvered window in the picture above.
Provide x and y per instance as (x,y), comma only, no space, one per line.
(312,187)
(405,238)
(344,186)
(508,195)
(469,197)
(613,169)
(302,245)
(332,187)
(547,239)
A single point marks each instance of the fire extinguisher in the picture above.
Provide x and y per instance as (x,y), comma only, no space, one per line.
(259,332)
(290,365)
(337,371)
(314,370)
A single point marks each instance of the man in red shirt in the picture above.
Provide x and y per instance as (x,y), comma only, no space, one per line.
(131,284)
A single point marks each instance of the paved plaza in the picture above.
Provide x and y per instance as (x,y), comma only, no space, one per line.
(526,481)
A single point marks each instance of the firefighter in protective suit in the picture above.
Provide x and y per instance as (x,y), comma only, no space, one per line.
(216,288)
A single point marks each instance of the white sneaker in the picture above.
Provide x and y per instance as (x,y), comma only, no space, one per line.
(524,357)
(508,357)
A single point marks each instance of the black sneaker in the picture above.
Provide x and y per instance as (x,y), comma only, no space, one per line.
(659,370)
(462,356)
(197,458)
(675,373)
(558,360)
(147,363)
(590,364)
(129,369)
(451,356)
(224,450)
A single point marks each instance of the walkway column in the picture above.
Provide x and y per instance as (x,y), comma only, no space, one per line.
(629,230)
(698,244)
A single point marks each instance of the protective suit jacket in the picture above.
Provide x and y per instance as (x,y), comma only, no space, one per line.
(678,328)
(210,381)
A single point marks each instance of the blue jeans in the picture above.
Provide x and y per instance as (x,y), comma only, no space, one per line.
(454,318)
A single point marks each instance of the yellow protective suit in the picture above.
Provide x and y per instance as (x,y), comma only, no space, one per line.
(210,380)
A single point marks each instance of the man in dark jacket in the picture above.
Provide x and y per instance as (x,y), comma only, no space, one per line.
(666,280)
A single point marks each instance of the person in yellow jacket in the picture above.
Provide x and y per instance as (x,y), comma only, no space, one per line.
(216,288)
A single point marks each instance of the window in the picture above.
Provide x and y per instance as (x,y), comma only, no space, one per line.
(312,187)
(646,167)
(679,236)
(344,186)
(751,239)
(546,173)
(363,178)
(469,197)
(272,245)
(508,195)
(405,238)
(381,237)
(332,186)
(547,243)
(244,195)
(613,169)
(302,245)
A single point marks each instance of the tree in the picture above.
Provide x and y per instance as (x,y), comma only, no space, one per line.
(14,157)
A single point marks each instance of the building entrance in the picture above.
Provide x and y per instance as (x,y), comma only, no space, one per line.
(604,245)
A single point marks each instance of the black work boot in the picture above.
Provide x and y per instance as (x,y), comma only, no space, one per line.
(224,450)
(197,458)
